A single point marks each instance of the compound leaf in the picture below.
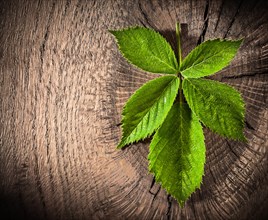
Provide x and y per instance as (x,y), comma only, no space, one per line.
(146,49)
(177,153)
(177,150)
(147,108)
(209,57)
(219,106)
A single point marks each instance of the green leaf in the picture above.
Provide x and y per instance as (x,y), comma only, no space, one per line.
(209,57)
(147,108)
(219,106)
(177,150)
(177,153)
(147,50)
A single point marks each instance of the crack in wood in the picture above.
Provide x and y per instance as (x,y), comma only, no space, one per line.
(67,5)
(218,18)
(205,25)
(145,16)
(245,75)
(152,184)
(249,126)
(152,193)
(231,149)
(169,201)
(118,124)
(142,22)
(232,22)
(42,48)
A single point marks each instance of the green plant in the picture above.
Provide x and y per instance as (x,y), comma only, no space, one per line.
(175,105)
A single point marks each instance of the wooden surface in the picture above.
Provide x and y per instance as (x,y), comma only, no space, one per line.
(63,84)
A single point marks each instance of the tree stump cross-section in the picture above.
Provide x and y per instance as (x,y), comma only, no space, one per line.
(63,84)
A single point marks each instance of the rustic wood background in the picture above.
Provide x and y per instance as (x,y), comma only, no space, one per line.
(63,84)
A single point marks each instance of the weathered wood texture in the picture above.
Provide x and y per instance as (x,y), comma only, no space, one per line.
(63,84)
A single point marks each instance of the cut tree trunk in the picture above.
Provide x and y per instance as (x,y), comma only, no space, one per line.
(63,84)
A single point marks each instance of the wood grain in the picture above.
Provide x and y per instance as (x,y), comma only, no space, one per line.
(63,84)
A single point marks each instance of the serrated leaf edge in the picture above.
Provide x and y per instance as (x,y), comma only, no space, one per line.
(244,139)
(122,142)
(151,172)
(210,40)
(182,203)
(123,54)
(243,103)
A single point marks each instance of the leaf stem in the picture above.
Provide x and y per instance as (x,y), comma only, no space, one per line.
(178,32)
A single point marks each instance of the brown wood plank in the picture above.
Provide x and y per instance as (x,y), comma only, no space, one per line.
(63,84)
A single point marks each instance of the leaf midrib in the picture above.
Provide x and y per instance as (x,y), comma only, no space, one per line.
(175,78)
(163,61)
(181,146)
(194,66)
(169,50)
(200,92)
